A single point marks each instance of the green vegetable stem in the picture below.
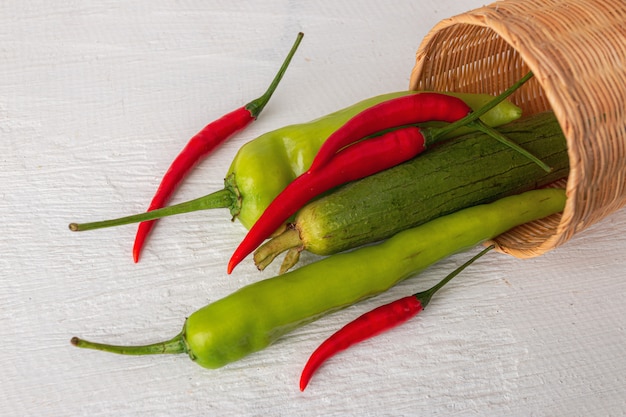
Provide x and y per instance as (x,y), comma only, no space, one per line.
(253,317)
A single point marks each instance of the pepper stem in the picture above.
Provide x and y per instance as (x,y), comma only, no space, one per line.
(256,106)
(425,296)
(473,120)
(175,345)
(220,199)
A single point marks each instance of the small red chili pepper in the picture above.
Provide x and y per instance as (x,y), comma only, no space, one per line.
(357,161)
(375,322)
(203,143)
(408,110)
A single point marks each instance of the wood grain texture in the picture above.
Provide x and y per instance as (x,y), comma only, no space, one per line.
(95,101)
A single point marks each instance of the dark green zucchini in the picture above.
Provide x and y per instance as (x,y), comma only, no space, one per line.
(470,170)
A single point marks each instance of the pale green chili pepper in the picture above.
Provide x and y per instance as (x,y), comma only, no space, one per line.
(255,316)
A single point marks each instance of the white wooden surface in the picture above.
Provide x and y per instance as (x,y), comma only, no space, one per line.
(96,98)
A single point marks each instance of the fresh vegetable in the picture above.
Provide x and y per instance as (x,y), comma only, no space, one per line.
(256,315)
(457,174)
(370,156)
(405,111)
(374,322)
(203,143)
(402,111)
(264,166)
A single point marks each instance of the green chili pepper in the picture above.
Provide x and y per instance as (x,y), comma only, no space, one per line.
(264,166)
(253,317)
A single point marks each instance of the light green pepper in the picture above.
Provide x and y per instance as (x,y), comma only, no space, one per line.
(263,167)
(255,316)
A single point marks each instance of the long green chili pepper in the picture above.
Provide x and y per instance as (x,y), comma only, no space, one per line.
(375,322)
(256,315)
(264,166)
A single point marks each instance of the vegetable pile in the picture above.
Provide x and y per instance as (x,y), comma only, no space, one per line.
(403,179)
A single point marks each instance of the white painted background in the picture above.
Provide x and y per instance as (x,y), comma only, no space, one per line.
(96,98)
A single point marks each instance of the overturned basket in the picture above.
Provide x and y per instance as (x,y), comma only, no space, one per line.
(577,52)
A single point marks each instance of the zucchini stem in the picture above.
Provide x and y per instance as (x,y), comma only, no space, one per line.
(288,240)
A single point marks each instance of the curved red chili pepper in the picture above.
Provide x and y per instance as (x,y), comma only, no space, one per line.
(407,110)
(203,143)
(200,145)
(413,109)
(365,326)
(355,162)
(375,322)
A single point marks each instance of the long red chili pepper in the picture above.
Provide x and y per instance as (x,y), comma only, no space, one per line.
(411,109)
(355,162)
(418,108)
(366,157)
(204,142)
(408,110)
(375,322)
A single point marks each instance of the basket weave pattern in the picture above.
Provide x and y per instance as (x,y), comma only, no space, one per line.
(577,52)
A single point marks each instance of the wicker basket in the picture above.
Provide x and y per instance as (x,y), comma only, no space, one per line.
(577,52)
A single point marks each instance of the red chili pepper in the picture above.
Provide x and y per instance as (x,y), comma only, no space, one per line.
(355,162)
(417,108)
(413,109)
(203,143)
(408,110)
(375,322)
